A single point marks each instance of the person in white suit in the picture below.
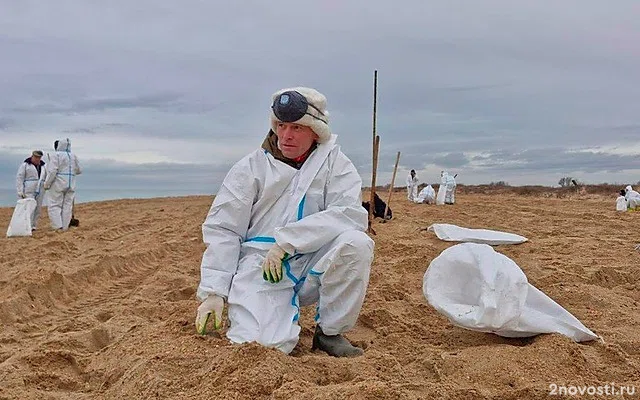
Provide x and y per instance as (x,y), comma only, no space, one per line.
(285,230)
(633,198)
(29,180)
(62,168)
(412,186)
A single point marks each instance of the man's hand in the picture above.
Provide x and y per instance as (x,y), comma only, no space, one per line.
(21,195)
(638,247)
(214,304)
(272,265)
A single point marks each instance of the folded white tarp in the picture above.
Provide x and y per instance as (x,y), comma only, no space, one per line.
(454,233)
(20,224)
(479,289)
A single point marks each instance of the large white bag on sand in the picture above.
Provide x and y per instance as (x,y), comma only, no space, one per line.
(20,224)
(454,233)
(482,290)
(442,192)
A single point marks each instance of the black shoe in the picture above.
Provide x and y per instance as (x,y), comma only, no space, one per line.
(335,345)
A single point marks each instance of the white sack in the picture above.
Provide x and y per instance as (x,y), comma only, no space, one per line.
(454,233)
(20,224)
(427,195)
(479,289)
(442,192)
(621,204)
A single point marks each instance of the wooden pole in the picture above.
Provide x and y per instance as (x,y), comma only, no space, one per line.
(373,184)
(393,180)
(374,151)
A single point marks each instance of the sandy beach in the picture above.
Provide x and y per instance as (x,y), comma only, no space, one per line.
(106,310)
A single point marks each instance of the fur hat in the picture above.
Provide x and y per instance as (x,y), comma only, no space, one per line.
(320,124)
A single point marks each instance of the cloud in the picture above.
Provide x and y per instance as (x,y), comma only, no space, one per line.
(557,160)
(166,102)
(451,160)
(5,123)
(498,88)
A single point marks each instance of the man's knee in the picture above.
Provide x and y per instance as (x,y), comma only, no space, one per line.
(355,243)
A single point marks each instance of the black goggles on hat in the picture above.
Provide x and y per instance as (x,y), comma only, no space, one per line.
(290,106)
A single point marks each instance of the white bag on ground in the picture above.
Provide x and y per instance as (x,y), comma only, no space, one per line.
(454,233)
(427,195)
(20,224)
(479,289)
(442,192)
(621,204)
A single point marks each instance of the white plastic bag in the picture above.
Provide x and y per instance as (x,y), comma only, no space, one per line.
(442,191)
(427,195)
(454,233)
(621,204)
(479,289)
(20,224)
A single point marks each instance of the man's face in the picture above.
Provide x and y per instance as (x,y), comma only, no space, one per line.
(35,160)
(294,140)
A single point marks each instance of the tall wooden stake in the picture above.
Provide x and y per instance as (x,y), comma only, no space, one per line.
(393,180)
(374,151)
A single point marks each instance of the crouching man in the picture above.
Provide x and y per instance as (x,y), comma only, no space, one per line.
(287,229)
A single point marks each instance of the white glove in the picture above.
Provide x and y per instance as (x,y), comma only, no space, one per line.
(21,195)
(272,265)
(638,247)
(214,304)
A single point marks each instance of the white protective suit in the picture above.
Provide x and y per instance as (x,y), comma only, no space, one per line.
(427,195)
(633,197)
(315,214)
(412,187)
(450,196)
(29,184)
(60,183)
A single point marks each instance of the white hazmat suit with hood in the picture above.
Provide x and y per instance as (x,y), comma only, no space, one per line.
(315,214)
(450,197)
(60,183)
(633,197)
(412,187)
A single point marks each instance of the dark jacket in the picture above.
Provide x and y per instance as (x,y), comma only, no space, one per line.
(380,205)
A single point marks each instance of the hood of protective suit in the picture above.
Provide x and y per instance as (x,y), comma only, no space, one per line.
(628,188)
(64,145)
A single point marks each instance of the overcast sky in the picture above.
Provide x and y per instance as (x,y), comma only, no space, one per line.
(170,94)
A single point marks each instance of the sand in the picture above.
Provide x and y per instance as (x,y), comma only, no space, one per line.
(106,310)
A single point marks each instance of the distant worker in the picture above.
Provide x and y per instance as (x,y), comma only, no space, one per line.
(412,186)
(633,198)
(450,197)
(29,183)
(62,169)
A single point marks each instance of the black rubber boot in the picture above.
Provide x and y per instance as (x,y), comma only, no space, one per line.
(335,345)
